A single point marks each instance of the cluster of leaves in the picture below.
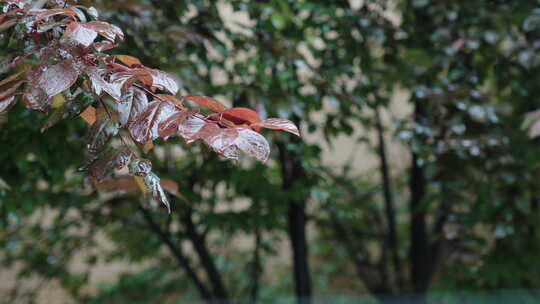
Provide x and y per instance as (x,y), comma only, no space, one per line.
(62,68)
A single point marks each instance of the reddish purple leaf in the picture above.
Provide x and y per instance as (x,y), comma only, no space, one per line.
(169,127)
(36,98)
(107,30)
(107,161)
(99,84)
(207,131)
(47,13)
(80,34)
(131,105)
(79,12)
(240,116)
(207,102)
(145,126)
(123,79)
(222,140)
(6,103)
(104,46)
(231,152)
(57,78)
(99,134)
(190,127)
(164,81)
(277,124)
(253,144)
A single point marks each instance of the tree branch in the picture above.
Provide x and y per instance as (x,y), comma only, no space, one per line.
(177,253)
(388,200)
(199,243)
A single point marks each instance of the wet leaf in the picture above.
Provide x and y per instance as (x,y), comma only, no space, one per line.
(69,109)
(104,46)
(123,158)
(130,61)
(277,124)
(99,84)
(207,102)
(204,133)
(169,127)
(132,104)
(6,103)
(11,12)
(170,98)
(122,79)
(35,98)
(103,165)
(109,160)
(145,126)
(93,12)
(154,185)
(164,81)
(80,34)
(190,127)
(240,116)
(143,75)
(222,141)
(253,144)
(140,167)
(57,78)
(107,30)
(99,134)
(47,13)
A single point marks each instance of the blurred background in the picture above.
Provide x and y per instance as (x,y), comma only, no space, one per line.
(414,180)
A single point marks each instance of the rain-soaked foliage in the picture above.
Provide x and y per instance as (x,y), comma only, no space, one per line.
(64,69)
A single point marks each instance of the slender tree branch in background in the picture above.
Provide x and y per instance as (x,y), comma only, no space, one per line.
(177,253)
(389,200)
(205,258)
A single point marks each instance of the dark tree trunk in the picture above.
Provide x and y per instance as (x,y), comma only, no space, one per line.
(293,172)
(419,250)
